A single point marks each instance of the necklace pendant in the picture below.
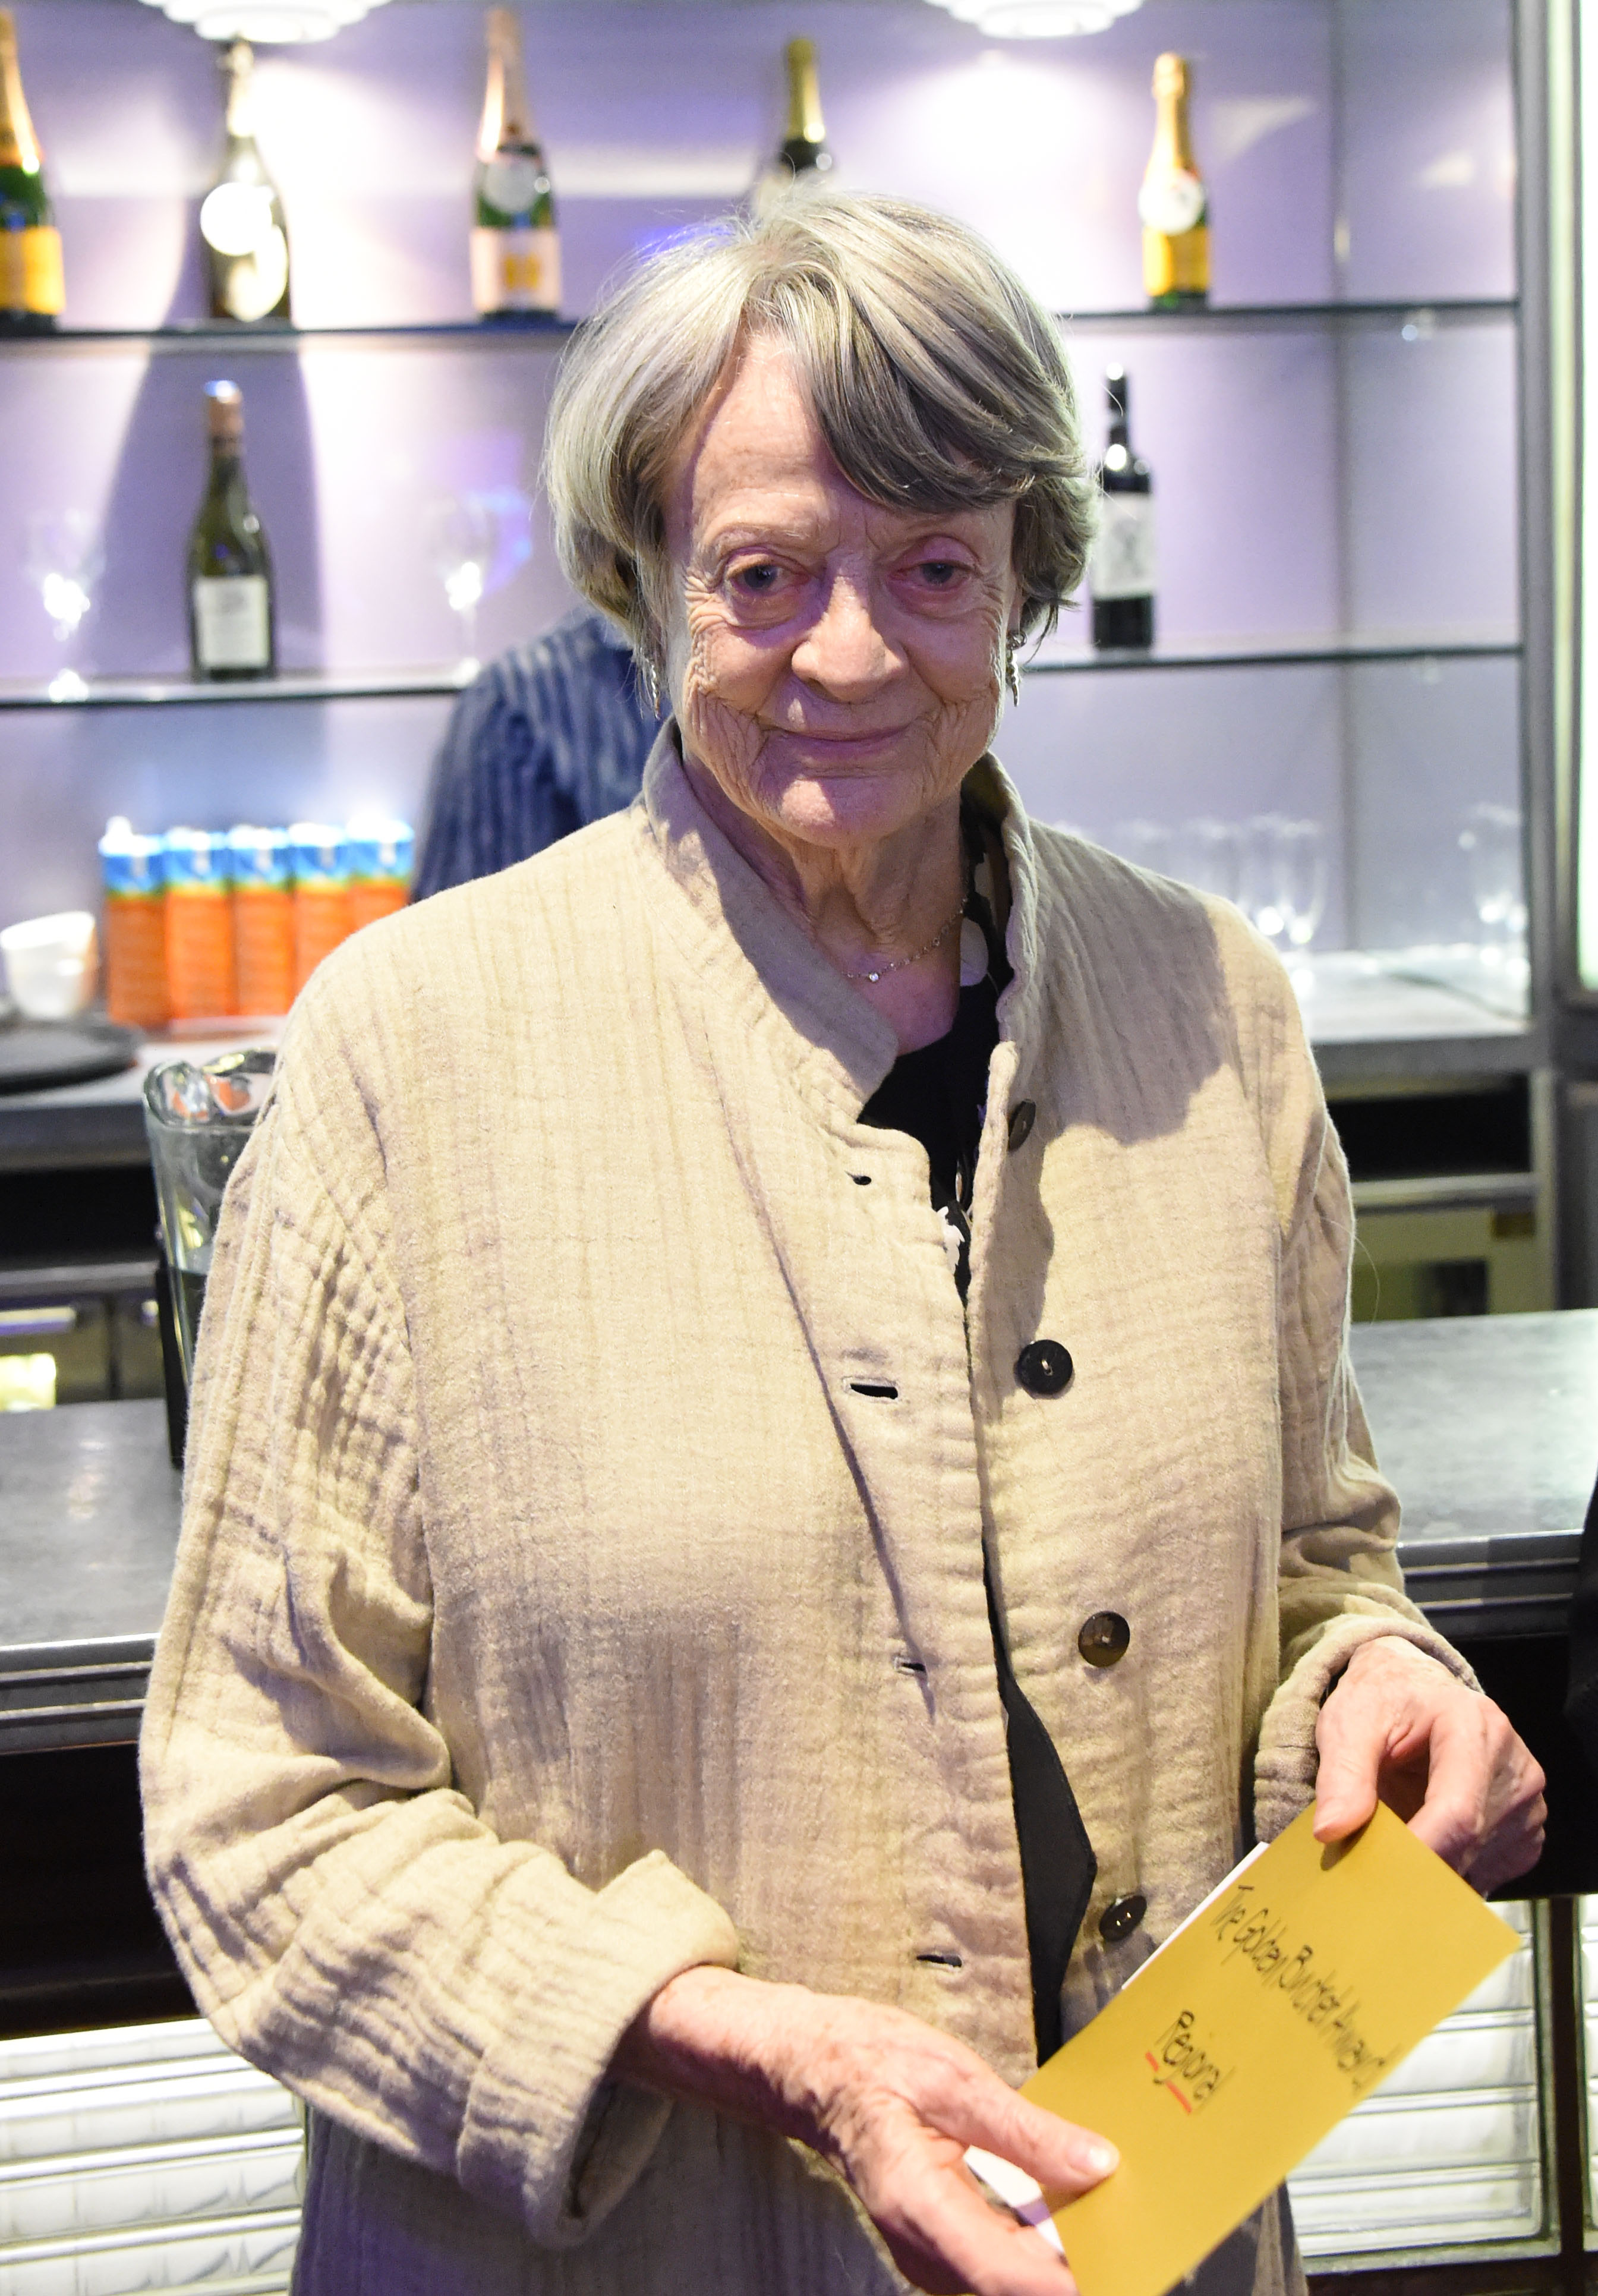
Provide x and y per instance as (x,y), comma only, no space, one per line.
(874,976)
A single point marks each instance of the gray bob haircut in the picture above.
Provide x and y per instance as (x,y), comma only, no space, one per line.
(936,382)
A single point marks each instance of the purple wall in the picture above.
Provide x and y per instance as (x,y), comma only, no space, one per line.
(1310,478)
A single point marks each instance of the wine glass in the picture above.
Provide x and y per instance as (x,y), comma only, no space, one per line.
(1491,840)
(1208,856)
(1148,843)
(65,562)
(462,534)
(1301,879)
(1261,889)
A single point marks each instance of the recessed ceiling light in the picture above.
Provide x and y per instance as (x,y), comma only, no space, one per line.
(265,20)
(1037,20)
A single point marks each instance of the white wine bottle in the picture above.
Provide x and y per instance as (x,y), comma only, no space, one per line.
(232,621)
(32,290)
(515,245)
(1173,205)
(242,216)
(802,156)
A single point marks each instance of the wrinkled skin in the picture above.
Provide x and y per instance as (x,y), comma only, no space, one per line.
(836,669)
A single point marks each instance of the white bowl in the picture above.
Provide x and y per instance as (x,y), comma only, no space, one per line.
(51,965)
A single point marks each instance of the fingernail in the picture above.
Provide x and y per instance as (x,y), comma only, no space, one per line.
(1100,2158)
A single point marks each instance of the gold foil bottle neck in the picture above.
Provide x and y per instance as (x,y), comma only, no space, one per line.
(805,123)
(507,117)
(19,145)
(236,64)
(225,414)
(1170,78)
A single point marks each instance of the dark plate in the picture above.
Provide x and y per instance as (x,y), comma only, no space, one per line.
(35,1054)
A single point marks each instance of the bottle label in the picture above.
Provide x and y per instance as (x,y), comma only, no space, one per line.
(515,270)
(1123,552)
(1176,267)
(250,285)
(1171,203)
(512,182)
(30,271)
(232,622)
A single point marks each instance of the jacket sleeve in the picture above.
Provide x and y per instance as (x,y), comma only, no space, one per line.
(344,1917)
(1338,1583)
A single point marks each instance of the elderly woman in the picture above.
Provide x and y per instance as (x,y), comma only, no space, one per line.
(774,1488)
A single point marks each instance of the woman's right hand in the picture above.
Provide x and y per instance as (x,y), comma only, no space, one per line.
(891,2102)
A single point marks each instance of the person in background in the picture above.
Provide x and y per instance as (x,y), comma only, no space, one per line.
(548,738)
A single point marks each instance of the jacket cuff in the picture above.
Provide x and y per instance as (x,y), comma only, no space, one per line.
(1285,1766)
(546,2135)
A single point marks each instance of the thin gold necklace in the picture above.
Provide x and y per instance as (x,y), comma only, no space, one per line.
(900,963)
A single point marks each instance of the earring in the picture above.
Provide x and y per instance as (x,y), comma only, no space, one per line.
(649,677)
(1011,674)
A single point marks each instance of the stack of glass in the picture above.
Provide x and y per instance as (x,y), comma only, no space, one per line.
(144,2157)
(1447,2153)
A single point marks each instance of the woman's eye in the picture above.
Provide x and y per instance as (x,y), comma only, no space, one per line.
(939,573)
(757,581)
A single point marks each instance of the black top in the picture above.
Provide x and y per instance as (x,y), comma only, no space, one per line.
(938,1095)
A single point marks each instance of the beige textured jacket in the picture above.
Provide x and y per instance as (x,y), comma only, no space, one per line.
(554,1612)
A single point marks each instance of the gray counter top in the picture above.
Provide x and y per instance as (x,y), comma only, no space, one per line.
(88,1527)
(1365,1020)
(1487,1426)
(103,1122)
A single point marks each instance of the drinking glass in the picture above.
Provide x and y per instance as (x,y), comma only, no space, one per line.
(1261,891)
(461,534)
(1148,843)
(1301,879)
(65,562)
(198,1120)
(1491,841)
(1208,856)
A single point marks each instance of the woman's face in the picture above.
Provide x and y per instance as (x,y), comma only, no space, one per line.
(836,666)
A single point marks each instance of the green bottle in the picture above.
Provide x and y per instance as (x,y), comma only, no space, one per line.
(515,246)
(32,292)
(232,622)
(242,218)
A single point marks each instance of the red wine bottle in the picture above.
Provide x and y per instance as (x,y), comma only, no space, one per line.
(1120,574)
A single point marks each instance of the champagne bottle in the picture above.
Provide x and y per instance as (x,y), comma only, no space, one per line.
(230,619)
(242,219)
(1173,205)
(802,156)
(1120,575)
(515,245)
(32,292)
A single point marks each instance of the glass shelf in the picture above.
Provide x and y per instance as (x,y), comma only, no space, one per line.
(293,686)
(1425,316)
(356,684)
(1273,651)
(553,335)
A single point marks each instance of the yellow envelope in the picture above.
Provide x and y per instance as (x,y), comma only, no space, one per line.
(1289,1994)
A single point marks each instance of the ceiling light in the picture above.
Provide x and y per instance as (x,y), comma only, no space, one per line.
(1037,20)
(265,20)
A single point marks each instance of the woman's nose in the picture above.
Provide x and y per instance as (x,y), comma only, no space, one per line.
(843,651)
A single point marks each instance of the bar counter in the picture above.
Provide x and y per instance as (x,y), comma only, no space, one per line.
(1488,1425)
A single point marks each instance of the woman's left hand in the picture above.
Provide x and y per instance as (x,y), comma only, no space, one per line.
(1400,1728)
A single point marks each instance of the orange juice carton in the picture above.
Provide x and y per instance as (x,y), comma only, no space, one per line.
(263,919)
(134,871)
(379,869)
(319,860)
(200,966)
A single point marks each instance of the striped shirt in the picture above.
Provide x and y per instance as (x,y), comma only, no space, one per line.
(548,738)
